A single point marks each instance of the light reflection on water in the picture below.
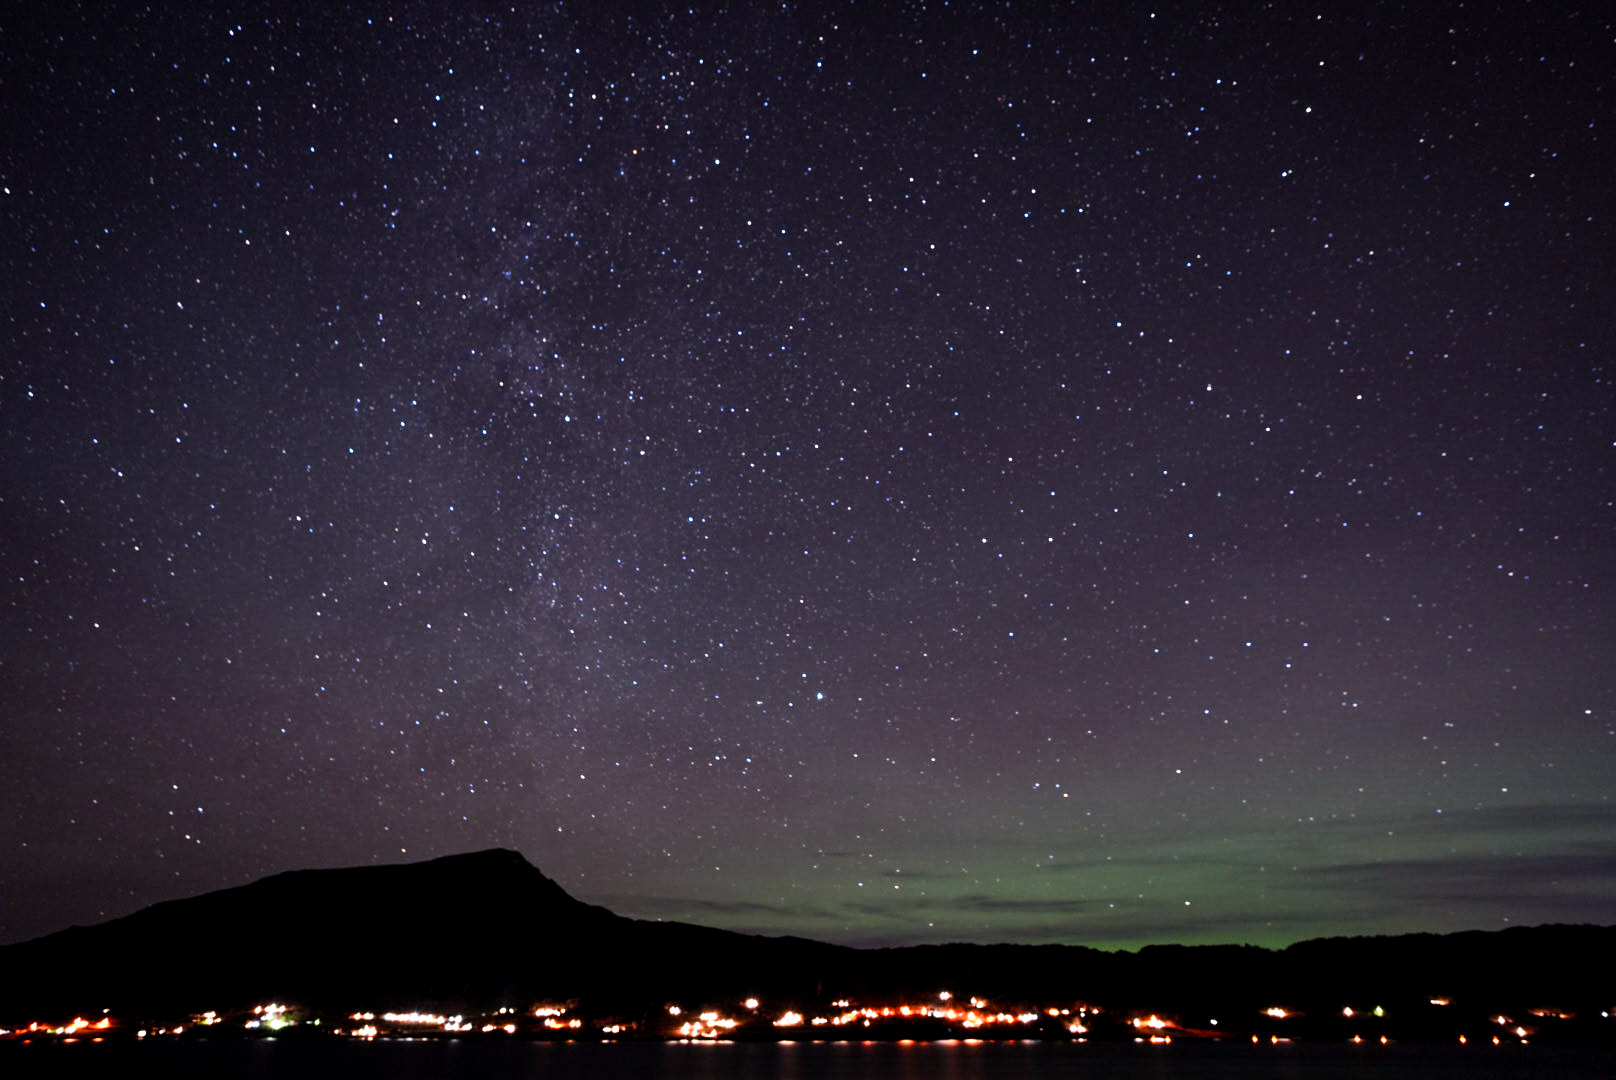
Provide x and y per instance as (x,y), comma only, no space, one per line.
(454,1059)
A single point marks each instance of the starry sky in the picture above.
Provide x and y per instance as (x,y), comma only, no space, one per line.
(886,472)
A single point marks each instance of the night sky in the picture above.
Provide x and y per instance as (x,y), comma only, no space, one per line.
(884,472)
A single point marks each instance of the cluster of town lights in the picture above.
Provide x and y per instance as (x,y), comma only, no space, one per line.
(75,1026)
(976,1016)
(270,1017)
(971,1014)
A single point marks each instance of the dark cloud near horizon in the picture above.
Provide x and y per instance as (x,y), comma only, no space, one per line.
(1482,880)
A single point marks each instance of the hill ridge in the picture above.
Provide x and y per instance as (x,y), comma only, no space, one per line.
(490,927)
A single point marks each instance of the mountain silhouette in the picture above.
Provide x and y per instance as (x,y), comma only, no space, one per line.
(487,929)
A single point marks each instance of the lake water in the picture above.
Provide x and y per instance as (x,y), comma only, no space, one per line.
(331,1059)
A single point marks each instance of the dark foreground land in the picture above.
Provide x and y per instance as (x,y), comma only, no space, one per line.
(486,945)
